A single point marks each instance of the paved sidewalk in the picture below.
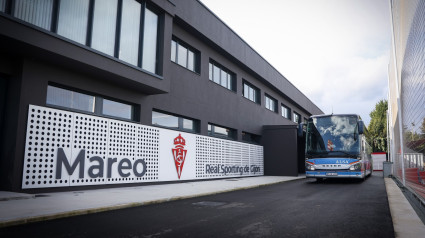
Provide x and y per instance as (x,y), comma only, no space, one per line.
(64,204)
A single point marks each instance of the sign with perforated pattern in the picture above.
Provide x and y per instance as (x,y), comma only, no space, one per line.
(73,149)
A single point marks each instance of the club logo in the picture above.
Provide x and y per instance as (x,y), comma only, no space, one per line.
(331,145)
(179,153)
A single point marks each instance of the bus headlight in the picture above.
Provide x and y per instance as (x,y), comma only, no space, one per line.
(356,167)
(309,167)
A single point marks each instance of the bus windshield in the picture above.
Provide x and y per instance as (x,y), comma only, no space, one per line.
(332,135)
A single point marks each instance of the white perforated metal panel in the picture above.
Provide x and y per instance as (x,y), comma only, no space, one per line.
(47,130)
(90,133)
(256,160)
(73,149)
(217,158)
(147,148)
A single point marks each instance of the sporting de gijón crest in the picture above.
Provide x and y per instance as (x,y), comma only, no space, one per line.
(179,153)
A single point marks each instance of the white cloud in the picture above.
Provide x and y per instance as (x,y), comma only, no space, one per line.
(334,51)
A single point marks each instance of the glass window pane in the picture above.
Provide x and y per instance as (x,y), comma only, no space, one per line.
(182,55)
(216,74)
(229,81)
(188,124)
(117,109)
(2,5)
(104,21)
(220,131)
(191,61)
(223,78)
(72,22)
(130,31)
(70,99)
(296,117)
(284,112)
(251,94)
(210,71)
(245,91)
(150,41)
(173,51)
(209,129)
(162,119)
(37,12)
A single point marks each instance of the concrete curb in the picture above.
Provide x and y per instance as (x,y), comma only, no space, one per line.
(405,220)
(27,220)
(6,196)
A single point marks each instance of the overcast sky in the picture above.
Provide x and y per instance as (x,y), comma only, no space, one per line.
(335,51)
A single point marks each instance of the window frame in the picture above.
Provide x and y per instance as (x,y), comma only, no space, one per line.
(257,91)
(189,49)
(98,104)
(180,124)
(230,75)
(267,97)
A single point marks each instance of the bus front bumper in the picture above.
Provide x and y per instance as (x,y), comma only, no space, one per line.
(335,174)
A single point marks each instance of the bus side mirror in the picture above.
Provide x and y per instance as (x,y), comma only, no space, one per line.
(361,127)
(300,131)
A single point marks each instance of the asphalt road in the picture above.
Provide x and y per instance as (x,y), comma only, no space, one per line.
(301,208)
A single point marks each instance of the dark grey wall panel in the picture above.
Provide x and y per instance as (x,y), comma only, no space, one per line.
(280,150)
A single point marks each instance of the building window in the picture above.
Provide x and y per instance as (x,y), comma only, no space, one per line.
(166,120)
(286,112)
(104,20)
(222,76)
(251,138)
(150,40)
(117,109)
(70,99)
(271,103)
(130,31)
(2,5)
(109,26)
(185,55)
(222,132)
(296,118)
(82,102)
(250,92)
(36,12)
(73,19)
